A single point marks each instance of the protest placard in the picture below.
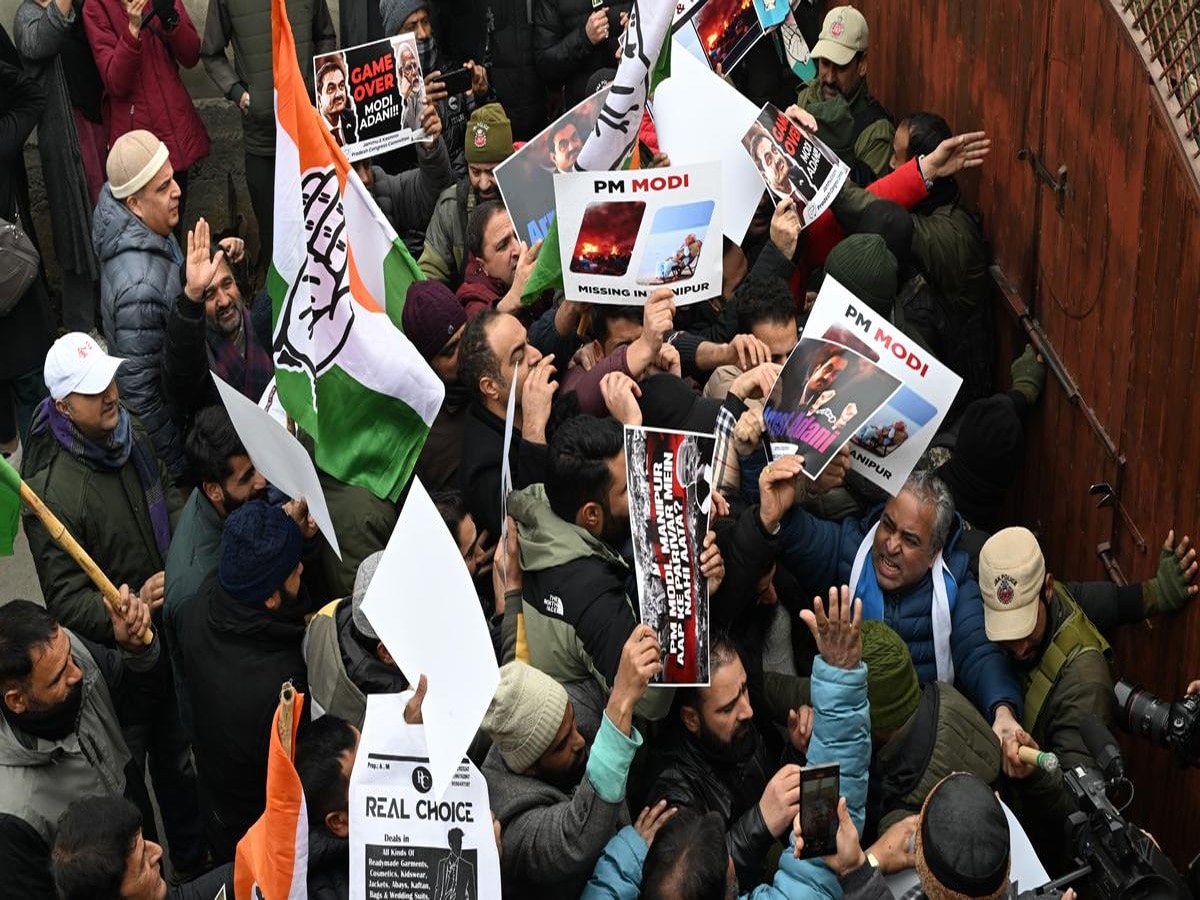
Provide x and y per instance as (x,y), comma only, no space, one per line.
(424,608)
(700,117)
(526,179)
(719,32)
(772,13)
(277,454)
(371,96)
(404,840)
(624,234)
(793,163)
(888,444)
(667,475)
(829,386)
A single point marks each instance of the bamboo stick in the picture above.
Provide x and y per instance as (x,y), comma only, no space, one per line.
(287,701)
(67,541)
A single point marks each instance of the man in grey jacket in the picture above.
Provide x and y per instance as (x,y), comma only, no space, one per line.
(557,804)
(249,82)
(60,738)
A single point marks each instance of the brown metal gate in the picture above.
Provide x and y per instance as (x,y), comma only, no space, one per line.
(1110,268)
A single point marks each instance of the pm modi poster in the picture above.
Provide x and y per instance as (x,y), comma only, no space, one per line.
(370,97)
(622,235)
(887,443)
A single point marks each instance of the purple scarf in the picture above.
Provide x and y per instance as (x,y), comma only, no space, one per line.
(121,446)
(250,373)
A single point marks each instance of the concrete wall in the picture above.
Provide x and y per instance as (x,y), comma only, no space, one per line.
(208,186)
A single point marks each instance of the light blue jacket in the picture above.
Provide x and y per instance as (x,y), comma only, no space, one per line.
(841,734)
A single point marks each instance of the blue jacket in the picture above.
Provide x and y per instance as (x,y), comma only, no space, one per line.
(841,734)
(139,281)
(820,554)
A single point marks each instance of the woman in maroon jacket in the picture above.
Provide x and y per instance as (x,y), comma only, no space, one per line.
(139,46)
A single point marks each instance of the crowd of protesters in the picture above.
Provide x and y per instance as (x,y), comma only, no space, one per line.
(600,785)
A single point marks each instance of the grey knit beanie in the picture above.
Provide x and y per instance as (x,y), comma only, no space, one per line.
(394,12)
(525,714)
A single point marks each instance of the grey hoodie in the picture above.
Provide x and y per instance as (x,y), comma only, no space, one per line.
(139,280)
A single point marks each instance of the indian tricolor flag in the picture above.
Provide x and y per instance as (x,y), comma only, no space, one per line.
(344,369)
(272,857)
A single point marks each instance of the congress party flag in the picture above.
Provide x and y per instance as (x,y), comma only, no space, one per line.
(10,506)
(345,372)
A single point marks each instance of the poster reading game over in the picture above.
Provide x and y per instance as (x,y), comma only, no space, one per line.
(667,473)
(887,444)
(526,179)
(795,164)
(405,841)
(371,96)
(624,234)
(829,387)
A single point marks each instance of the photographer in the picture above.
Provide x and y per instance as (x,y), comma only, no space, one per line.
(139,46)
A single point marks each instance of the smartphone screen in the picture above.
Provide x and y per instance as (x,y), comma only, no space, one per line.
(820,787)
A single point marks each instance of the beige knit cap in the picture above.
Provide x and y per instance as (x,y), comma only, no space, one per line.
(132,162)
(525,714)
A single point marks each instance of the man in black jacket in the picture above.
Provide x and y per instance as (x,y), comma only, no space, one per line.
(573,39)
(714,760)
(241,639)
(100,851)
(495,359)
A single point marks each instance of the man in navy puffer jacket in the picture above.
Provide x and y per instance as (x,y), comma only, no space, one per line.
(902,561)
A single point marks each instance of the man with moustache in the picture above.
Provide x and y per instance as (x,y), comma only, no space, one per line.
(565,144)
(241,639)
(140,263)
(59,734)
(333,101)
(713,759)
(783,179)
(209,330)
(841,55)
(96,469)
(489,142)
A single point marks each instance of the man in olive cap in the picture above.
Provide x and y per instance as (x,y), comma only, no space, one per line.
(841,55)
(488,143)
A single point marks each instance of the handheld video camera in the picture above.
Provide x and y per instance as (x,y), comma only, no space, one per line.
(1175,726)
(1121,859)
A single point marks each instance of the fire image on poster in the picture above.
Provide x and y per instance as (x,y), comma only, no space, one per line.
(793,163)
(887,444)
(719,32)
(405,842)
(668,476)
(829,387)
(371,96)
(624,234)
(526,179)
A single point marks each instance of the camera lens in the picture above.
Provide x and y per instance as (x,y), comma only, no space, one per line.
(1143,713)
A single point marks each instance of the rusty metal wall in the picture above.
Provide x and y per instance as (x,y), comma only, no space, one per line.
(1114,280)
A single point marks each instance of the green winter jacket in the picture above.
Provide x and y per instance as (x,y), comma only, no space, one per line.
(106,513)
(946,734)
(577,610)
(444,257)
(873,126)
(247,25)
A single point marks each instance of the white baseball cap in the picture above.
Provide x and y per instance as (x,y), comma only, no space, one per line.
(75,364)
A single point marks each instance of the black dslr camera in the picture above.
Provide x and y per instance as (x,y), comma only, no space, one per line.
(1175,726)
(166,12)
